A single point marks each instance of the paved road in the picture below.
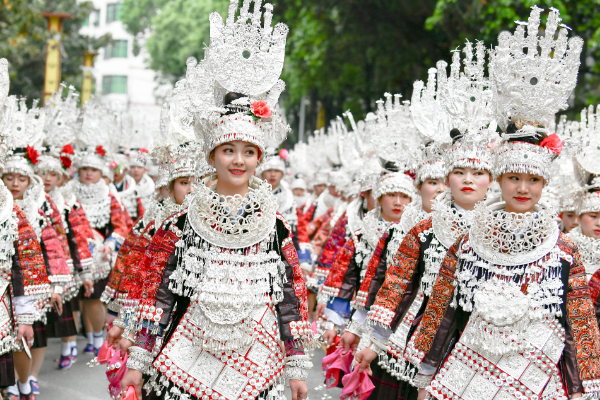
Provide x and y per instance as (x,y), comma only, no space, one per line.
(83,383)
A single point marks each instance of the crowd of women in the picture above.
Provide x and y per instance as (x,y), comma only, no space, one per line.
(446,247)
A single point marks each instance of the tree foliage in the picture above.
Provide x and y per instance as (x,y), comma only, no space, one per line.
(345,54)
(180,29)
(485,19)
(23,36)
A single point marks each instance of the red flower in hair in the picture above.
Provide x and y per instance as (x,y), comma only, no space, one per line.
(100,150)
(260,110)
(143,150)
(66,161)
(552,143)
(113,164)
(68,149)
(32,154)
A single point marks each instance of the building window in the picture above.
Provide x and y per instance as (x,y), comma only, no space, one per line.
(113,12)
(114,84)
(116,49)
(93,19)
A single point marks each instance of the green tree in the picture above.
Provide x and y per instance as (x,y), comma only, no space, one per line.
(485,19)
(23,36)
(179,30)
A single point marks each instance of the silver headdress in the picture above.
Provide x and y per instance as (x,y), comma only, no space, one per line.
(530,86)
(392,132)
(22,135)
(466,100)
(4,110)
(245,59)
(94,142)
(176,150)
(62,123)
(431,163)
(393,182)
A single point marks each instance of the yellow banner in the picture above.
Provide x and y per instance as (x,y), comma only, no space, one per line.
(88,78)
(52,75)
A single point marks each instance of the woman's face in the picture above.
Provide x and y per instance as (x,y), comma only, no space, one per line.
(429,190)
(570,220)
(273,176)
(392,205)
(51,180)
(468,186)
(320,189)
(521,191)
(182,187)
(89,175)
(17,184)
(164,192)
(368,194)
(235,163)
(590,224)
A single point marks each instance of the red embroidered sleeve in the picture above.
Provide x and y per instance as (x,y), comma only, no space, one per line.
(120,220)
(333,283)
(59,270)
(114,280)
(134,270)
(363,291)
(35,278)
(315,224)
(302,228)
(57,223)
(581,316)
(83,232)
(595,287)
(334,242)
(440,299)
(398,276)
(140,207)
(299,329)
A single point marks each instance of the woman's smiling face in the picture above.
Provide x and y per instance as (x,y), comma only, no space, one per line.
(235,163)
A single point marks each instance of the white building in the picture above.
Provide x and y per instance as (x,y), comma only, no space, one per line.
(119,75)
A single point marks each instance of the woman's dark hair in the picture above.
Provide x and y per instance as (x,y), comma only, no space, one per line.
(390,166)
(593,187)
(533,139)
(229,98)
(455,135)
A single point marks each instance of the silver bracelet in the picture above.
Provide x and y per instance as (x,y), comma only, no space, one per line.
(355,328)
(421,381)
(139,359)
(25,319)
(327,325)
(299,361)
(298,374)
(118,322)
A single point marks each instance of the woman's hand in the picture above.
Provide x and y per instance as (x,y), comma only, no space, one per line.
(364,358)
(124,345)
(349,341)
(106,250)
(113,336)
(422,394)
(56,299)
(329,336)
(299,389)
(321,310)
(88,287)
(133,378)
(25,331)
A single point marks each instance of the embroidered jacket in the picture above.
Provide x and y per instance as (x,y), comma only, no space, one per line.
(579,363)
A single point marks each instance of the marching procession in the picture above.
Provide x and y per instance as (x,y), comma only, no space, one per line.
(446,247)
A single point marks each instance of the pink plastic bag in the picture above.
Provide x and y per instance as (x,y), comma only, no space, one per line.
(130,395)
(105,353)
(115,372)
(357,386)
(334,364)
